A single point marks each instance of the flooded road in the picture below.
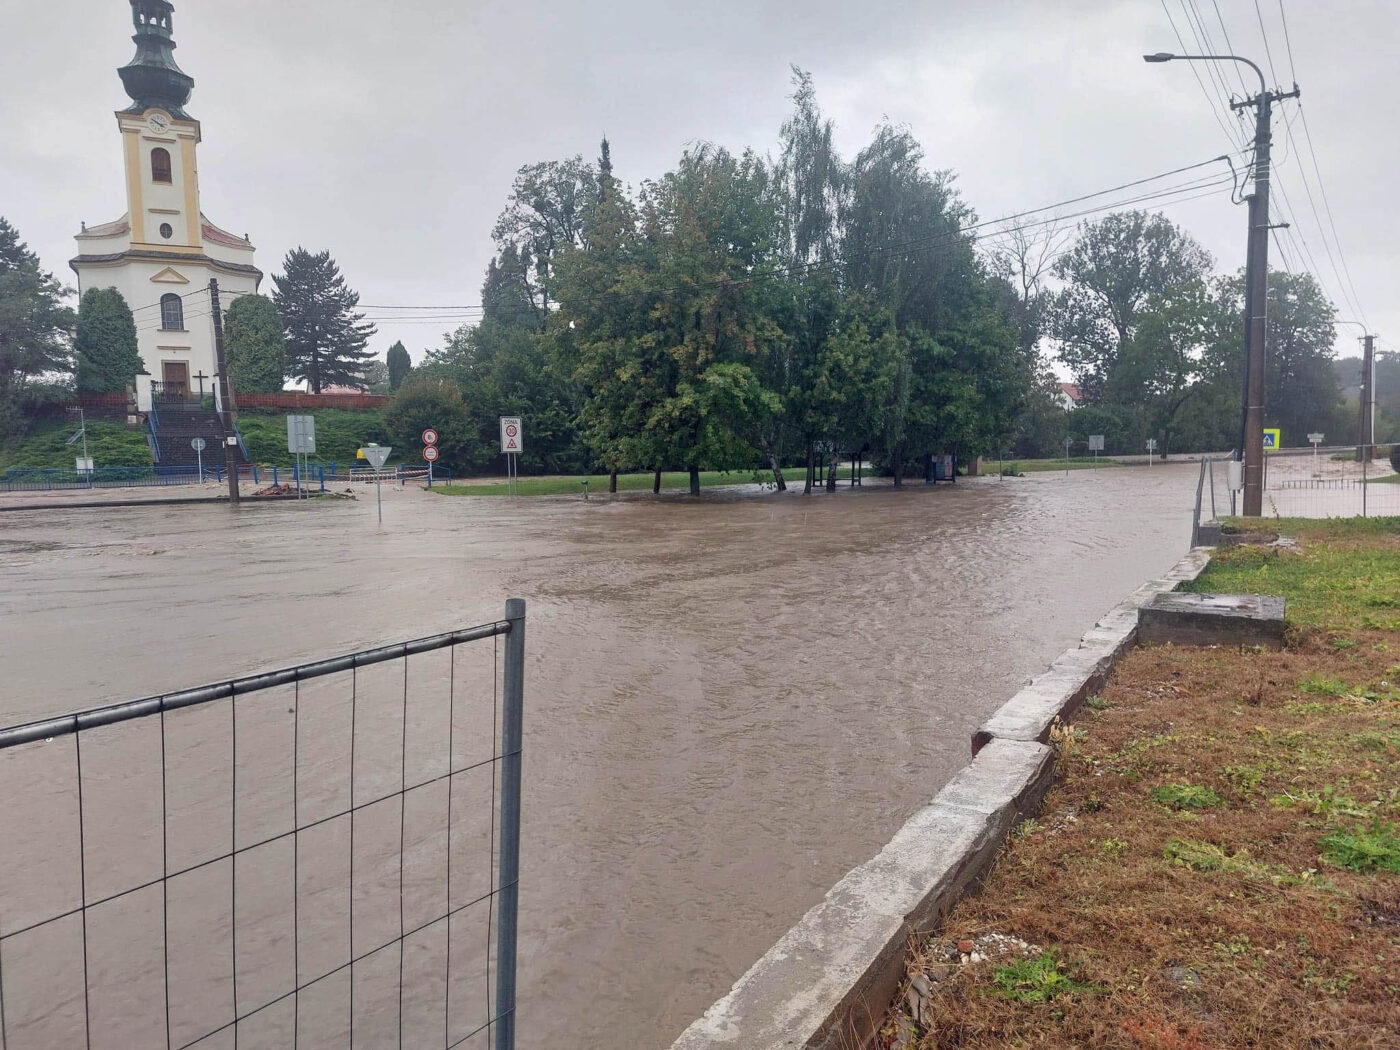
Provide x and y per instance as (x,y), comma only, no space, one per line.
(730,701)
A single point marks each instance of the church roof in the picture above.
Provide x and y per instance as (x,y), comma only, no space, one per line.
(115,228)
(152,78)
(218,236)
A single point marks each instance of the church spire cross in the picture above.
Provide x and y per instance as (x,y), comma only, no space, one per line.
(152,78)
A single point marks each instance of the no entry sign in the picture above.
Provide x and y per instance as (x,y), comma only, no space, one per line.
(512,435)
(430,436)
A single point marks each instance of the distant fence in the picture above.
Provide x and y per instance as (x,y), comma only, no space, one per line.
(1307,483)
(297,399)
(317,475)
(322,856)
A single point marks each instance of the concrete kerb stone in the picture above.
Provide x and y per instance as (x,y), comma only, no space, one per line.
(826,984)
(1081,672)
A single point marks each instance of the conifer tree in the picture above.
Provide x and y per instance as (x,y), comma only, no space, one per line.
(399,365)
(326,336)
(105,345)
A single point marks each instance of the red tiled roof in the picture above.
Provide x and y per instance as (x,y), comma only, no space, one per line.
(1072,392)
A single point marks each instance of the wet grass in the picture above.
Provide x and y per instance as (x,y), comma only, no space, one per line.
(1220,861)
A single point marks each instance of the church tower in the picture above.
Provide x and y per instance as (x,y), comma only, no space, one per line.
(162,253)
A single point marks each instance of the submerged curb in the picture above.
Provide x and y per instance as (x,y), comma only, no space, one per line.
(827,982)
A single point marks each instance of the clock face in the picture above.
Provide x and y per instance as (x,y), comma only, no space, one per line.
(158,124)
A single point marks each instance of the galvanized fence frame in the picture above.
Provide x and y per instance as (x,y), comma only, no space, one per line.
(501,901)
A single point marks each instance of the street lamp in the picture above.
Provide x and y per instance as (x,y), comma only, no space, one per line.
(1256,277)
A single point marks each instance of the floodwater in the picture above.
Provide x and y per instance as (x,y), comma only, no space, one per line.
(730,701)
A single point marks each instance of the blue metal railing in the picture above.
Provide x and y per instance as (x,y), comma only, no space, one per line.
(44,479)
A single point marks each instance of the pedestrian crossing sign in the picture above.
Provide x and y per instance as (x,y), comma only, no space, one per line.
(1272,441)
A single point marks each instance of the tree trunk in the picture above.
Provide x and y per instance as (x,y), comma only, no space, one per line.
(612,482)
(811,469)
(656,482)
(778,478)
(928,468)
(899,466)
(694,481)
(831,468)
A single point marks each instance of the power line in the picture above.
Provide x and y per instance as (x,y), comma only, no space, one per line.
(1210,98)
(1230,48)
(1288,42)
(1265,34)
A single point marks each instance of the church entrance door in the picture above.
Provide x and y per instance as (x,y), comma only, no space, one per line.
(175,376)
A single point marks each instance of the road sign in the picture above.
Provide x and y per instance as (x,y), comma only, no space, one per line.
(430,436)
(512,435)
(431,453)
(85,464)
(1069,442)
(1151,444)
(1316,439)
(376,454)
(198,444)
(301,434)
(1095,442)
(1273,440)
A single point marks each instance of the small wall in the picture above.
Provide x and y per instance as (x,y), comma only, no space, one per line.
(289,399)
(827,983)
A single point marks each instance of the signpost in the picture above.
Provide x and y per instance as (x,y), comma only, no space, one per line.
(512,444)
(198,445)
(1316,440)
(376,456)
(1096,446)
(430,451)
(1151,451)
(82,435)
(1069,441)
(301,442)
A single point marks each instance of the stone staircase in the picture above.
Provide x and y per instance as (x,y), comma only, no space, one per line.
(175,426)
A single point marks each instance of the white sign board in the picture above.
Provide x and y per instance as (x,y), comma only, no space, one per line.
(376,454)
(1151,444)
(1095,442)
(1316,439)
(512,435)
(85,464)
(301,434)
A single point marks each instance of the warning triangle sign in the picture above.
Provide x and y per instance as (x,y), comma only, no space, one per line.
(511,445)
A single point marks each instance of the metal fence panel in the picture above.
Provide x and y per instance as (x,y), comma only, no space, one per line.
(324,855)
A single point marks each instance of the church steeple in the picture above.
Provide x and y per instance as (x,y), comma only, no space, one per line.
(152,78)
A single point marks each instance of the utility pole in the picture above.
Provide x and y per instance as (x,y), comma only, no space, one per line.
(1256,277)
(1257,298)
(225,419)
(1367,439)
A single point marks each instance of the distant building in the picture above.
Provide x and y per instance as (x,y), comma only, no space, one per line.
(1070,396)
(162,253)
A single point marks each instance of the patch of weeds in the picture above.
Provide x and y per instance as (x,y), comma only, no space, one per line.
(1113,847)
(1038,980)
(1097,703)
(1312,707)
(1198,856)
(1093,804)
(1375,741)
(1208,858)
(1027,828)
(1186,796)
(1328,801)
(1248,778)
(1343,643)
(1363,849)
(1323,686)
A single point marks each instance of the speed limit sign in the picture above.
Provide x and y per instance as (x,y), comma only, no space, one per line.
(430,453)
(430,436)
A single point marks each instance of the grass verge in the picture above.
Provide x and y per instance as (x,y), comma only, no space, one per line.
(1219,865)
(670,481)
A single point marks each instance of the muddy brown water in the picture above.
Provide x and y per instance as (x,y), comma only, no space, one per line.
(730,701)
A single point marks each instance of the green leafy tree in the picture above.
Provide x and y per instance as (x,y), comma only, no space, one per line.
(544,217)
(104,346)
(376,376)
(1116,268)
(35,327)
(399,365)
(255,344)
(326,337)
(433,401)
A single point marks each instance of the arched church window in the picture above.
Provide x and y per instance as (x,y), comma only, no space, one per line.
(172,312)
(160,165)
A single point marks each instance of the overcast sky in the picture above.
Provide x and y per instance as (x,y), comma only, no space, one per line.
(389,132)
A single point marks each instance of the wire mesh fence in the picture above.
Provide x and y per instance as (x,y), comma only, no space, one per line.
(322,856)
(1311,483)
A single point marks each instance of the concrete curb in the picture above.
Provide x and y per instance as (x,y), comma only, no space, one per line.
(828,981)
(1079,673)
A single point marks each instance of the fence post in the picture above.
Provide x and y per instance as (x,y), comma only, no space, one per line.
(322,471)
(1196,518)
(512,726)
(274,476)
